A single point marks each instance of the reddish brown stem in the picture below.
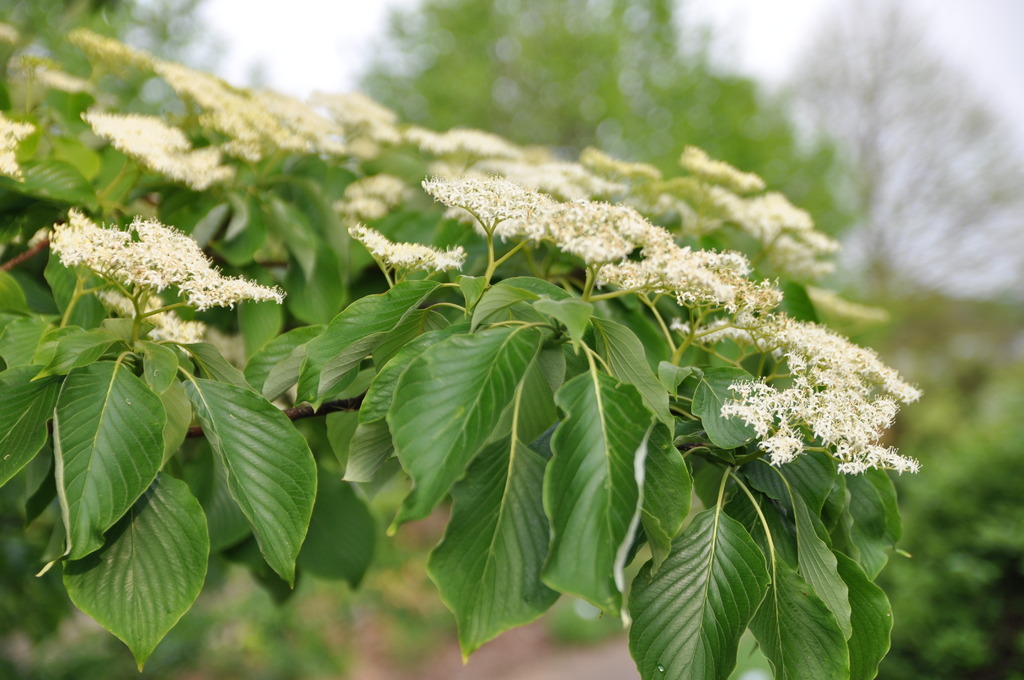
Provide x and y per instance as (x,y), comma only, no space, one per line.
(28,254)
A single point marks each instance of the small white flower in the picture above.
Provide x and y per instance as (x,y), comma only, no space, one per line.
(161,257)
(407,256)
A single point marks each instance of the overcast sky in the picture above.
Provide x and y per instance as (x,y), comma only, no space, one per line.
(319,45)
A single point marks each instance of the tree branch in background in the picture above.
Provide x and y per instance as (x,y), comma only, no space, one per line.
(27,255)
(303,411)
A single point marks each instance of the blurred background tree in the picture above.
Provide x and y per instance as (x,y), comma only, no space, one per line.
(626,76)
(933,174)
(935,178)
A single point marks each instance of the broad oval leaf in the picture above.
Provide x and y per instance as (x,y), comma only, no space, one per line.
(797,632)
(381,392)
(488,566)
(270,469)
(12,297)
(149,571)
(871,618)
(275,368)
(25,408)
(592,487)
(453,396)
(342,533)
(713,391)
(355,333)
(668,488)
(627,361)
(108,445)
(688,618)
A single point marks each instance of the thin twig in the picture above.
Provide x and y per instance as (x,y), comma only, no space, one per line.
(303,411)
(28,254)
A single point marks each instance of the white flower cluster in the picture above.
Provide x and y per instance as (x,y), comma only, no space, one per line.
(153,256)
(167,326)
(464,144)
(497,206)
(699,163)
(160,148)
(373,197)
(559,179)
(604,235)
(601,163)
(842,394)
(47,73)
(407,256)
(11,133)
(112,53)
(367,125)
(787,234)
(256,123)
(9,34)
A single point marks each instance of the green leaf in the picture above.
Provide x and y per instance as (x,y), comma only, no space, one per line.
(416,323)
(246,231)
(270,469)
(342,533)
(592,487)
(25,407)
(815,558)
(797,303)
(87,312)
(150,570)
(472,288)
(279,359)
(381,392)
(572,313)
(672,376)
(354,334)
(179,418)
(498,298)
(19,340)
(227,525)
(260,322)
(78,349)
(340,426)
(713,391)
(667,493)
(871,618)
(453,396)
(12,297)
(628,362)
(797,632)
(489,563)
(876,519)
(108,445)
(159,365)
(688,618)
(818,565)
(212,364)
(57,181)
(370,448)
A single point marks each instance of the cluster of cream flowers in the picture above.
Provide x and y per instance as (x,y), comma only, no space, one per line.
(255,123)
(11,133)
(151,255)
(111,53)
(167,326)
(840,393)
(160,148)
(462,144)
(47,73)
(406,257)
(373,197)
(604,235)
